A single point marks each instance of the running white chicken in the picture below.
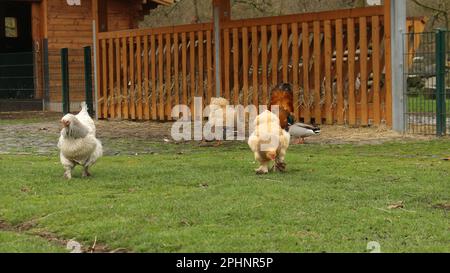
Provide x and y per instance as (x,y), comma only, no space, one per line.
(78,143)
(269,142)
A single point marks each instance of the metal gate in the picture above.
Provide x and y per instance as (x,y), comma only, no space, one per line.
(427,88)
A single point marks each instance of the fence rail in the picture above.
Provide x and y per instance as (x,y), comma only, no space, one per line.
(143,73)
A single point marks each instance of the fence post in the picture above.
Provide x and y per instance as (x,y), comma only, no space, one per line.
(88,79)
(440,83)
(65,80)
(397,29)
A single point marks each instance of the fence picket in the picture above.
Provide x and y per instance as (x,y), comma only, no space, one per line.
(153,75)
(363,70)
(132,93)
(168,80)
(351,72)
(255,65)
(118,109)
(125,93)
(328,79)
(305,58)
(236,66)
(245,65)
(376,69)
(146,81)
(339,72)
(139,78)
(317,73)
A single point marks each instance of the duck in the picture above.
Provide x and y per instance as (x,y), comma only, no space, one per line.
(300,131)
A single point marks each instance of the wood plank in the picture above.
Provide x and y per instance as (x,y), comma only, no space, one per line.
(306,17)
(146,99)
(153,75)
(176,67)
(132,94)
(274,39)
(364,118)
(168,80)
(236,66)
(328,78)
(264,63)
(351,71)
(317,73)
(209,65)
(285,51)
(376,52)
(161,76)
(255,65)
(340,108)
(295,68)
(118,109)
(245,65)
(201,90)
(305,57)
(157,30)
(226,63)
(139,78)
(184,66)
(192,70)
(112,97)
(104,81)
(125,91)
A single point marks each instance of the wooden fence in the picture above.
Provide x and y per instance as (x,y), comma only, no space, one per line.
(143,73)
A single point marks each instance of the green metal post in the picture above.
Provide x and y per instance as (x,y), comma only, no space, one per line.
(65,80)
(440,83)
(88,79)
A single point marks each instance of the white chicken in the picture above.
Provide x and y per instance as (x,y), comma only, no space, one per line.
(269,142)
(78,143)
(222,118)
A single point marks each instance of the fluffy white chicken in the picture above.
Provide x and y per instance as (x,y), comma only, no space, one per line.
(269,142)
(78,143)
(221,116)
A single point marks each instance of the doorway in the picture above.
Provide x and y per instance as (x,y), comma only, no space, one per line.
(16,51)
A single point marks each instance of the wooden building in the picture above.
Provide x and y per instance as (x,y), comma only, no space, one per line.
(32,28)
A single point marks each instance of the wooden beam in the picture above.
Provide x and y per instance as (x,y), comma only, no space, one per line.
(44,15)
(102,15)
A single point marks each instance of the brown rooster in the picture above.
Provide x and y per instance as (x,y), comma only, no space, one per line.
(283,98)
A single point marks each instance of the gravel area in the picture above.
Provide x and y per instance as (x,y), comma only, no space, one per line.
(38,132)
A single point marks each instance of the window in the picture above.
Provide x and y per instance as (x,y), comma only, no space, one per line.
(11,27)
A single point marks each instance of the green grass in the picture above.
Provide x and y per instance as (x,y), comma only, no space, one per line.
(423,105)
(333,198)
(15,242)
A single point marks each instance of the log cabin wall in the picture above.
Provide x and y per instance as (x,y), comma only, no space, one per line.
(71,27)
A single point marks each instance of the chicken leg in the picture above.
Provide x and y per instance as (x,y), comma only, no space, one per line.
(263,168)
(86,172)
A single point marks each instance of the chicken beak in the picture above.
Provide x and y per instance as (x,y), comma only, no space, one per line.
(65,123)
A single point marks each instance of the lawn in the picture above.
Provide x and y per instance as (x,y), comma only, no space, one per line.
(420,104)
(333,198)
